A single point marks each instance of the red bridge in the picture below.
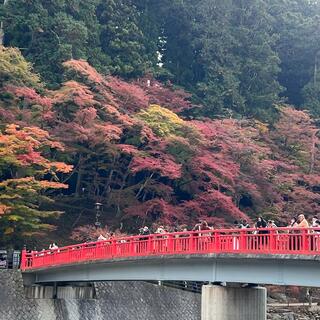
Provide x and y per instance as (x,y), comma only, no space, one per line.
(281,256)
(284,241)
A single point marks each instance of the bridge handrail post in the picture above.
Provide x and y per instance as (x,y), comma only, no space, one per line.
(97,253)
(170,244)
(23,263)
(149,245)
(191,243)
(114,248)
(305,240)
(132,251)
(242,242)
(272,240)
(217,240)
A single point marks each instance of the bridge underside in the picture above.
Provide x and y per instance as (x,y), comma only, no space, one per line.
(259,269)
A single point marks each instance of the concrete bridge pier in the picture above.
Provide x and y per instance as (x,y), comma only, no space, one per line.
(230,303)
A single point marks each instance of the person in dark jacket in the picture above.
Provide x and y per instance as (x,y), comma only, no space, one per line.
(145,231)
(261,224)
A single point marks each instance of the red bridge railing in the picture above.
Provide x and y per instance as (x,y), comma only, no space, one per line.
(241,241)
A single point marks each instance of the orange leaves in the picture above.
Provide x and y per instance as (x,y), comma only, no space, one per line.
(9,231)
(4,209)
(25,145)
(29,183)
(17,181)
(52,185)
(60,167)
(148,161)
(22,152)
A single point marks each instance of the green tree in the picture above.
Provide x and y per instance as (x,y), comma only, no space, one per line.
(255,57)
(107,34)
(121,38)
(14,69)
(297,24)
(51,32)
(223,51)
(219,88)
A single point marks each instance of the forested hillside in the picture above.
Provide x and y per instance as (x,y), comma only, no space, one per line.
(236,57)
(165,112)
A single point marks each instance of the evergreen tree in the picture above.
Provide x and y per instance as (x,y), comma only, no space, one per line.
(48,32)
(223,52)
(122,39)
(106,33)
(149,21)
(255,57)
(219,88)
(297,24)
(178,48)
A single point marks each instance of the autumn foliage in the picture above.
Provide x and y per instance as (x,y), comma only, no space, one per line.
(132,150)
(23,166)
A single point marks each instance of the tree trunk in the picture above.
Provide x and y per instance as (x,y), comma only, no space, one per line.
(2,27)
(144,185)
(313,151)
(79,176)
(315,71)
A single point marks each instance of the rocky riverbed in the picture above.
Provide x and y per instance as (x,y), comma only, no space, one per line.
(294,313)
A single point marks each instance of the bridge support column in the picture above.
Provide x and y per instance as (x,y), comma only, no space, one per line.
(228,303)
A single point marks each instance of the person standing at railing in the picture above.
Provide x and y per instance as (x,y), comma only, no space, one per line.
(160,230)
(181,240)
(160,243)
(101,238)
(145,231)
(202,240)
(293,223)
(53,246)
(197,227)
(201,226)
(315,222)
(292,239)
(261,224)
(302,222)
(245,225)
(271,224)
(315,240)
(236,235)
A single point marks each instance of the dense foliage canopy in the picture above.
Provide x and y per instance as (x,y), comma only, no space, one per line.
(165,112)
(237,58)
(129,149)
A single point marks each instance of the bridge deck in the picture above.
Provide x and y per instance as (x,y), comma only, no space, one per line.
(277,269)
(250,242)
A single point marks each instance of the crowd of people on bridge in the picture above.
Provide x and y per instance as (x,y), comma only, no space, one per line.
(202,237)
(261,226)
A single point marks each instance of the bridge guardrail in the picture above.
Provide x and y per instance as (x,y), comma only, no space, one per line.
(245,241)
